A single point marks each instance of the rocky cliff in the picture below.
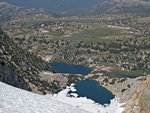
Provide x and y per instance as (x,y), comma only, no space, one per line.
(24,70)
(21,69)
(140,102)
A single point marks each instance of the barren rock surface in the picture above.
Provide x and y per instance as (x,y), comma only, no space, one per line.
(140,102)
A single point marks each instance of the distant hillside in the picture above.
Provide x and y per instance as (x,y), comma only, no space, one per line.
(71,8)
(8,10)
(130,7)
(54,5)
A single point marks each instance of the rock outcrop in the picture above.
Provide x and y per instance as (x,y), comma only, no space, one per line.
(140,102)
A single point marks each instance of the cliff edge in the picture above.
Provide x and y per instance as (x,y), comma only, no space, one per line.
(140,102)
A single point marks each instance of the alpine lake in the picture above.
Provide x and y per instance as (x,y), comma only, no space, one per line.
(85,88)
(88,88)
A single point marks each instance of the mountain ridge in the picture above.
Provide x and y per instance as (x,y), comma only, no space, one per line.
(130,7)
(8,11)
(54,5)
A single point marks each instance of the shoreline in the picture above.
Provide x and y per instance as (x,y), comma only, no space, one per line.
(122,88)
(87,104)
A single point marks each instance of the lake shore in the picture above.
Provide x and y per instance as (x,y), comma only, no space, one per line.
(123,88)
(87,104)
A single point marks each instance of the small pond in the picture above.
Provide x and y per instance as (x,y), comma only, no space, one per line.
(84,36)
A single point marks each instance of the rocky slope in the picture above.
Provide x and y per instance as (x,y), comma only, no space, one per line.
(22,69)
(140,102)
(18,67)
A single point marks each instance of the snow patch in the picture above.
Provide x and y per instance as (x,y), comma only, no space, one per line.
(14,100)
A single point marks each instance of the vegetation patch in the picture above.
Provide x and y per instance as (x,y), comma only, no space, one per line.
(94,77)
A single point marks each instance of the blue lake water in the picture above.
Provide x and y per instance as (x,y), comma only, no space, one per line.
(70,68)
(85,88)
(92,90)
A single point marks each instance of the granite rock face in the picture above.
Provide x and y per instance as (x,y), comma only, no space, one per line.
(20,68)
(23,69)
(140,102)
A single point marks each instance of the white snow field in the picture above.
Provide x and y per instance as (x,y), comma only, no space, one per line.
(14,100)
